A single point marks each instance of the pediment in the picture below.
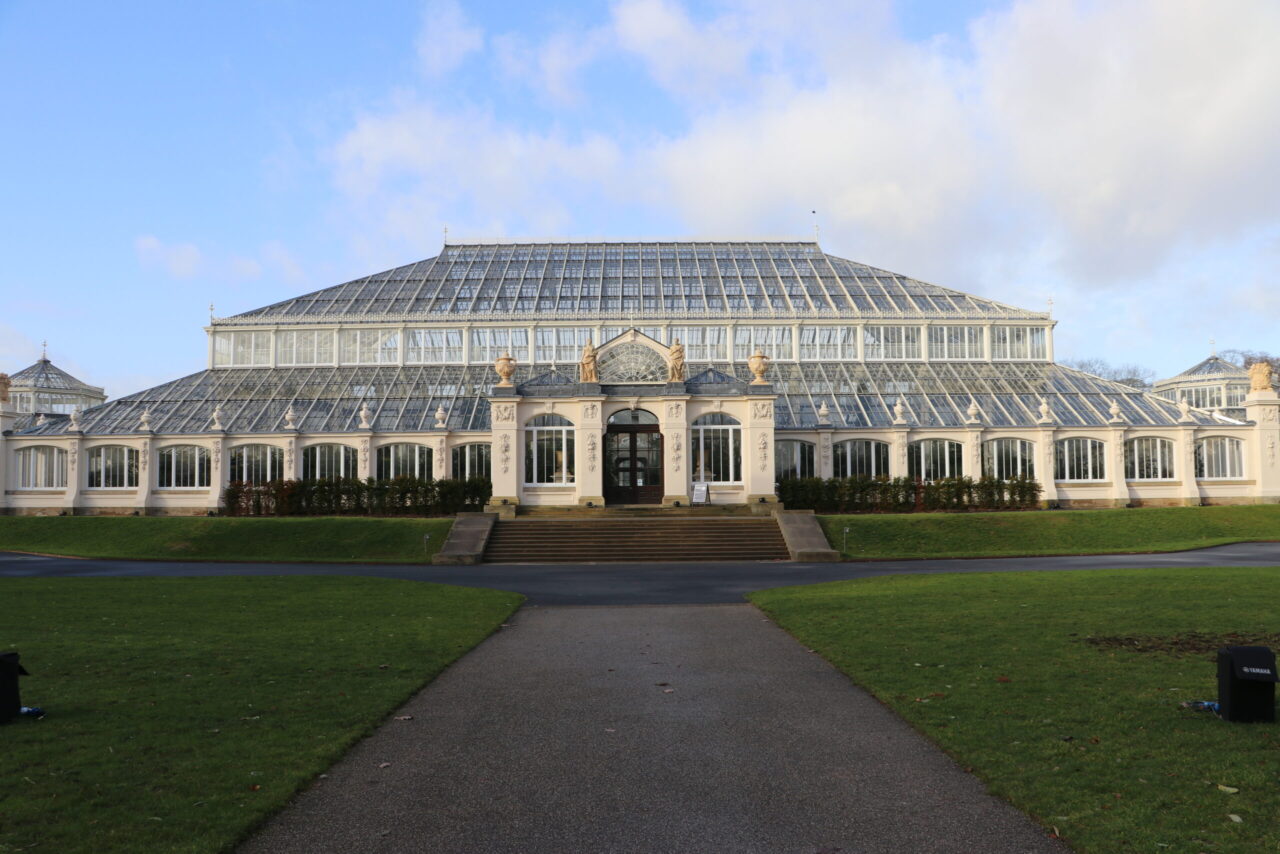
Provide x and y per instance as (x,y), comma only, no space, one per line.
(630,358)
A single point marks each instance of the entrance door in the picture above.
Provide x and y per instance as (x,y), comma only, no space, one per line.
(633,459)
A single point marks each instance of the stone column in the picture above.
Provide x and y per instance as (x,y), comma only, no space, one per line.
(145,475)
(673,418)
(8,415)
(440,457)
(973,452)
(898,451)
(217,471)
(825,467)
(75,473)
(364,455)
(1045,464)
(1263,449)
(1185,468)
(1115,467)
(506,454)
(757,451)
(589,451)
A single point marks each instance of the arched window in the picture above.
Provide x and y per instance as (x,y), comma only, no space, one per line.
(934,459)
(325,462)
(472,461)
(548,449)
(256,463)
(1080,458)
(182,467)
(1148,458)
(792,458)
(861,458)
(1219,457)
(41,467)
(404,460)
(633,416)
(1008,458)
(113,467)
(715,446)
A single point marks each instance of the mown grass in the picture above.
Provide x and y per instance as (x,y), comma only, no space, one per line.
(307,539)
(1091,741)
(182,712)
(1048,532)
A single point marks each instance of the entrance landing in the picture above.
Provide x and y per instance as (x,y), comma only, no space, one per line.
(646,729)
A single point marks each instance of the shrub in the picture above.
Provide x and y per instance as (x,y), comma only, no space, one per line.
(907,495)
(403,496)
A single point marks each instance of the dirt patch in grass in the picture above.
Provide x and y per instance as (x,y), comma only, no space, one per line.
(1190,643)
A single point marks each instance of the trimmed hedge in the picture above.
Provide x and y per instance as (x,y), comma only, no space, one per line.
(350,496)
(907,495)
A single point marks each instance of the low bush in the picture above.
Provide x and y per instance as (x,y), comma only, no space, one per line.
(350,496)
(907,495)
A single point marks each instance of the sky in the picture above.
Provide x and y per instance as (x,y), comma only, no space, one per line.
(1120,158)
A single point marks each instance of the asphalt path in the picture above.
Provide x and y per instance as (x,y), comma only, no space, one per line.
(705,583)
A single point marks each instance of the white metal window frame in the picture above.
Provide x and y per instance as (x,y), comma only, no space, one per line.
(40,467)
(247,461)
(1019,344)
(404,459)
(1149,458)
(891,343)
(242,348)
(304,347)
(113,467)
(182,467)
(368,346)
(490,342)
(1219,458)
(794,455)
(433,346)
(872,450)
(329,460)
(828,343)
(554,431)
(1008,457)
(773,341)
(935,459)
(728,434)
(1077,455)
(957,343)
(476,460)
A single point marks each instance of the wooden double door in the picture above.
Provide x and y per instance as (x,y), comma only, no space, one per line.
(633,464)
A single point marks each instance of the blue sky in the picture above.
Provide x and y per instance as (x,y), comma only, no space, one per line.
(1118,158)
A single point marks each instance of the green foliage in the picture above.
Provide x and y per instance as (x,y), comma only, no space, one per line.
(180,713)
(1091,741)
(401,496)
(906,495)
(1144,529)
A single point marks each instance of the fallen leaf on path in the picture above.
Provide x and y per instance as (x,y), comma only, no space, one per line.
(404,717)
(668,690)
(1237,819)
(1230,790)
(384,764)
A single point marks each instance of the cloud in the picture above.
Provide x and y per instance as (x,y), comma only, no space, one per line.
(179,260)
(551,68)
(446,39)
(277,257)
(245,269)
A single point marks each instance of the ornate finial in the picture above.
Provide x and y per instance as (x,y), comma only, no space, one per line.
(1213,347)
(290,419)
(899,412)
(675,362)
(1260,376)
(75,419)
(364,416)
(505,366)
(446,235)
(4,388)
(971,414)
(1114,409)
(824,415)
(144,420)
(759,363)
(41,420)
(1051,306)
(816,232)
(440,416)
(1046,417)
(217,416)
(1184,411)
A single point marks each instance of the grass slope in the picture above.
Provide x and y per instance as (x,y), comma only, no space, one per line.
(1092,741)
(182,712)
(1147,529)
(304,539)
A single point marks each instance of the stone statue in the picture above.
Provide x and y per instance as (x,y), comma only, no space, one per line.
(4,388)
(1260,376)
(75,419)
(1184,410)
(587,372)
(506,368)
(759,363)
(675,362)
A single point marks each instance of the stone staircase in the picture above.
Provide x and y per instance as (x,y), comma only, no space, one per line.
(643,538)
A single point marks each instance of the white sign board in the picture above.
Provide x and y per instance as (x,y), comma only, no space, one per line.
(700,493)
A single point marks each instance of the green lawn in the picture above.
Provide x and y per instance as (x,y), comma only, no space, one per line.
(304,539)
(1089,739)
(1047,532)
(182,712)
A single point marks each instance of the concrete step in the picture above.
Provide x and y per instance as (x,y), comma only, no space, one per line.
(525,540)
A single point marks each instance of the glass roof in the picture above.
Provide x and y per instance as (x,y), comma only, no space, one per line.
(673,280)
(1212,367)
(405,399)
(45,375)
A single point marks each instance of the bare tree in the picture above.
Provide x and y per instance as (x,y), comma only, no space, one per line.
(1245,358)
(1129,374)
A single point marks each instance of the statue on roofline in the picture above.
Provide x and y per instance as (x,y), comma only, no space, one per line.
(505,367)
(1260,376)
(4,388)
(587,372)
(675,362)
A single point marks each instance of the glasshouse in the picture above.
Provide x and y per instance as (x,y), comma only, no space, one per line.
(573,374)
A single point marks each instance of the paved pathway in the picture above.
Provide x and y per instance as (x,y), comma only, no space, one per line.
(646,729)
(641,583)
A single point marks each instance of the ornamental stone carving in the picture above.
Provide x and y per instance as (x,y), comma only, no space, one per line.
(439,457)
(826,450)
(1046,417)
(364,416)
(677,445)
(5,382)
(1114,410)
(145,455)
(75,419)
(1271,452)
(288,457)
(1270,415)
(290,419)
(675,411)
(587,372)
(217,455)
(759,364)
(506,369)
(504,413)
(73,455)
(675,362)
(217,417)
(1260,376)
(364,451)
(762,409)
(824,415)
(763,445)
(1184,411)
(441,417)
(590,412)
(505,456)
(144,420)
(591,452)
(899,413)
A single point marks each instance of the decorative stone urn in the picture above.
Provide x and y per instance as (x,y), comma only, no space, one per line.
(506,368)
(759,363)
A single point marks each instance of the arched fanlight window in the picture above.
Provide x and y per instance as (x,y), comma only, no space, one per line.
(404,460)
(113,467)
(1148,458)
(472,460)
(792,458)
(325,462)
(182,467)
(861,458)
(41,467)
(256,463)
(715,448)
(1008,458)
(1219,457)
(548,450)
(633,416)
(1079,458)
(935,459)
